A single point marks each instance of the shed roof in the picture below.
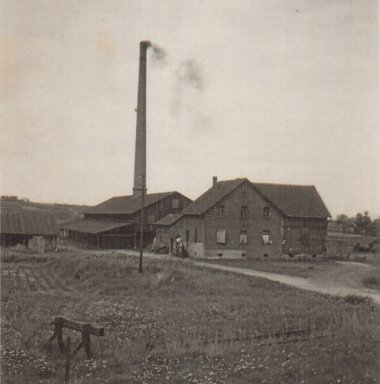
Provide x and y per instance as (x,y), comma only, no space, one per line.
(291,200)
(95,226)
(127,204)
(169,219)
(28,223)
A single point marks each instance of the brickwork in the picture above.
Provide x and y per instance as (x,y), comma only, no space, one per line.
(243,210)
(245,224)
(190,229)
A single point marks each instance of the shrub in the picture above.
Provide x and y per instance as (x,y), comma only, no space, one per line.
(357,299)
(371,281)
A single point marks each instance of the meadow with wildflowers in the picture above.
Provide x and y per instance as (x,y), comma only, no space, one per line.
(179,324)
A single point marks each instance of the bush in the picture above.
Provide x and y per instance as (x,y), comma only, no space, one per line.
(357,299)
(371,281)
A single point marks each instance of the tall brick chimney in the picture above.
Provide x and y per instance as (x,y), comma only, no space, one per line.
(214,180)
(140,147)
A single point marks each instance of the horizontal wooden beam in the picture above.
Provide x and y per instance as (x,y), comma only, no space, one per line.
(79,326)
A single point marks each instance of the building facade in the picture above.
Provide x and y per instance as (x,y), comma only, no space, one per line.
(237,218)
(115,223)
(33,229)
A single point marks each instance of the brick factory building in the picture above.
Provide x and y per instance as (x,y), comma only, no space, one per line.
(115,223)
(236,218)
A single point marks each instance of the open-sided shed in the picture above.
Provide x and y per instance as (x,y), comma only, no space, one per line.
(28,228)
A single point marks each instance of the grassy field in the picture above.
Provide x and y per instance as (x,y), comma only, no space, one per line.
(179,324)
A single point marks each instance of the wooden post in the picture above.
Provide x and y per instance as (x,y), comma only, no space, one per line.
(58,331)
(86,339)
(67,370)
(86,329)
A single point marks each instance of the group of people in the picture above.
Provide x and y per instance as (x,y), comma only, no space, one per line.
(178,248)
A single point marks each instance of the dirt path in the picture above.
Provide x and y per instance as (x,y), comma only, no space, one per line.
(342,281)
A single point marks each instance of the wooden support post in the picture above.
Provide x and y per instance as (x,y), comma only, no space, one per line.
(86,332)
(58,331)
(67,370)
(86,329)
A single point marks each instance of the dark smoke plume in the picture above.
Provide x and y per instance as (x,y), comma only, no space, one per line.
(159,54)
(190,74)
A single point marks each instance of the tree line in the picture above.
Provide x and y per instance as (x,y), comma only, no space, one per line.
(361,224)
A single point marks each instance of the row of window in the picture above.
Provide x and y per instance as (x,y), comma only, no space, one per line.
(221,237)
(267,212)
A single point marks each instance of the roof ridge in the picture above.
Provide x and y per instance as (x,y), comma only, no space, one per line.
(147,194)
(283,184)
(210,193)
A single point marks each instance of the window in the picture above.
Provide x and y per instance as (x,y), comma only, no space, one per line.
(267,212)
(244,188)
(151,219)
(244,212)
(195,235)
(243,236)
(221,210)
(175,203)
(221,236)
(266,238)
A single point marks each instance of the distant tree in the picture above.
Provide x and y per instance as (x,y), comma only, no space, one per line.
(364,224)
(347,223)
(341,219)
(376,226)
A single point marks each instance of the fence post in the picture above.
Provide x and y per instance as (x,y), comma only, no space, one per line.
(58,330)
(67,370)
(86,339)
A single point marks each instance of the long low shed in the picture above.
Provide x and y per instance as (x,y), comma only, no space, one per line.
(33,229)
(101,234)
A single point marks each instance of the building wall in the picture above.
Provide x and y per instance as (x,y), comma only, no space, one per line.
(254,223)
(151,214)
(191,231)
(172,204)
(302,235)
(285,235)
(158,210)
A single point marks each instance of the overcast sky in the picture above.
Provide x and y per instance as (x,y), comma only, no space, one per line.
(283,91)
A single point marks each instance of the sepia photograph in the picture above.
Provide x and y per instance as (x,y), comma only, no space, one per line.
(190,191)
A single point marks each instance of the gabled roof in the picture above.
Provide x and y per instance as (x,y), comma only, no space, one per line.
(212,196)
(95,226)
(290,200)
(28,223)
(127,204)
(169,219)
(294,200)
